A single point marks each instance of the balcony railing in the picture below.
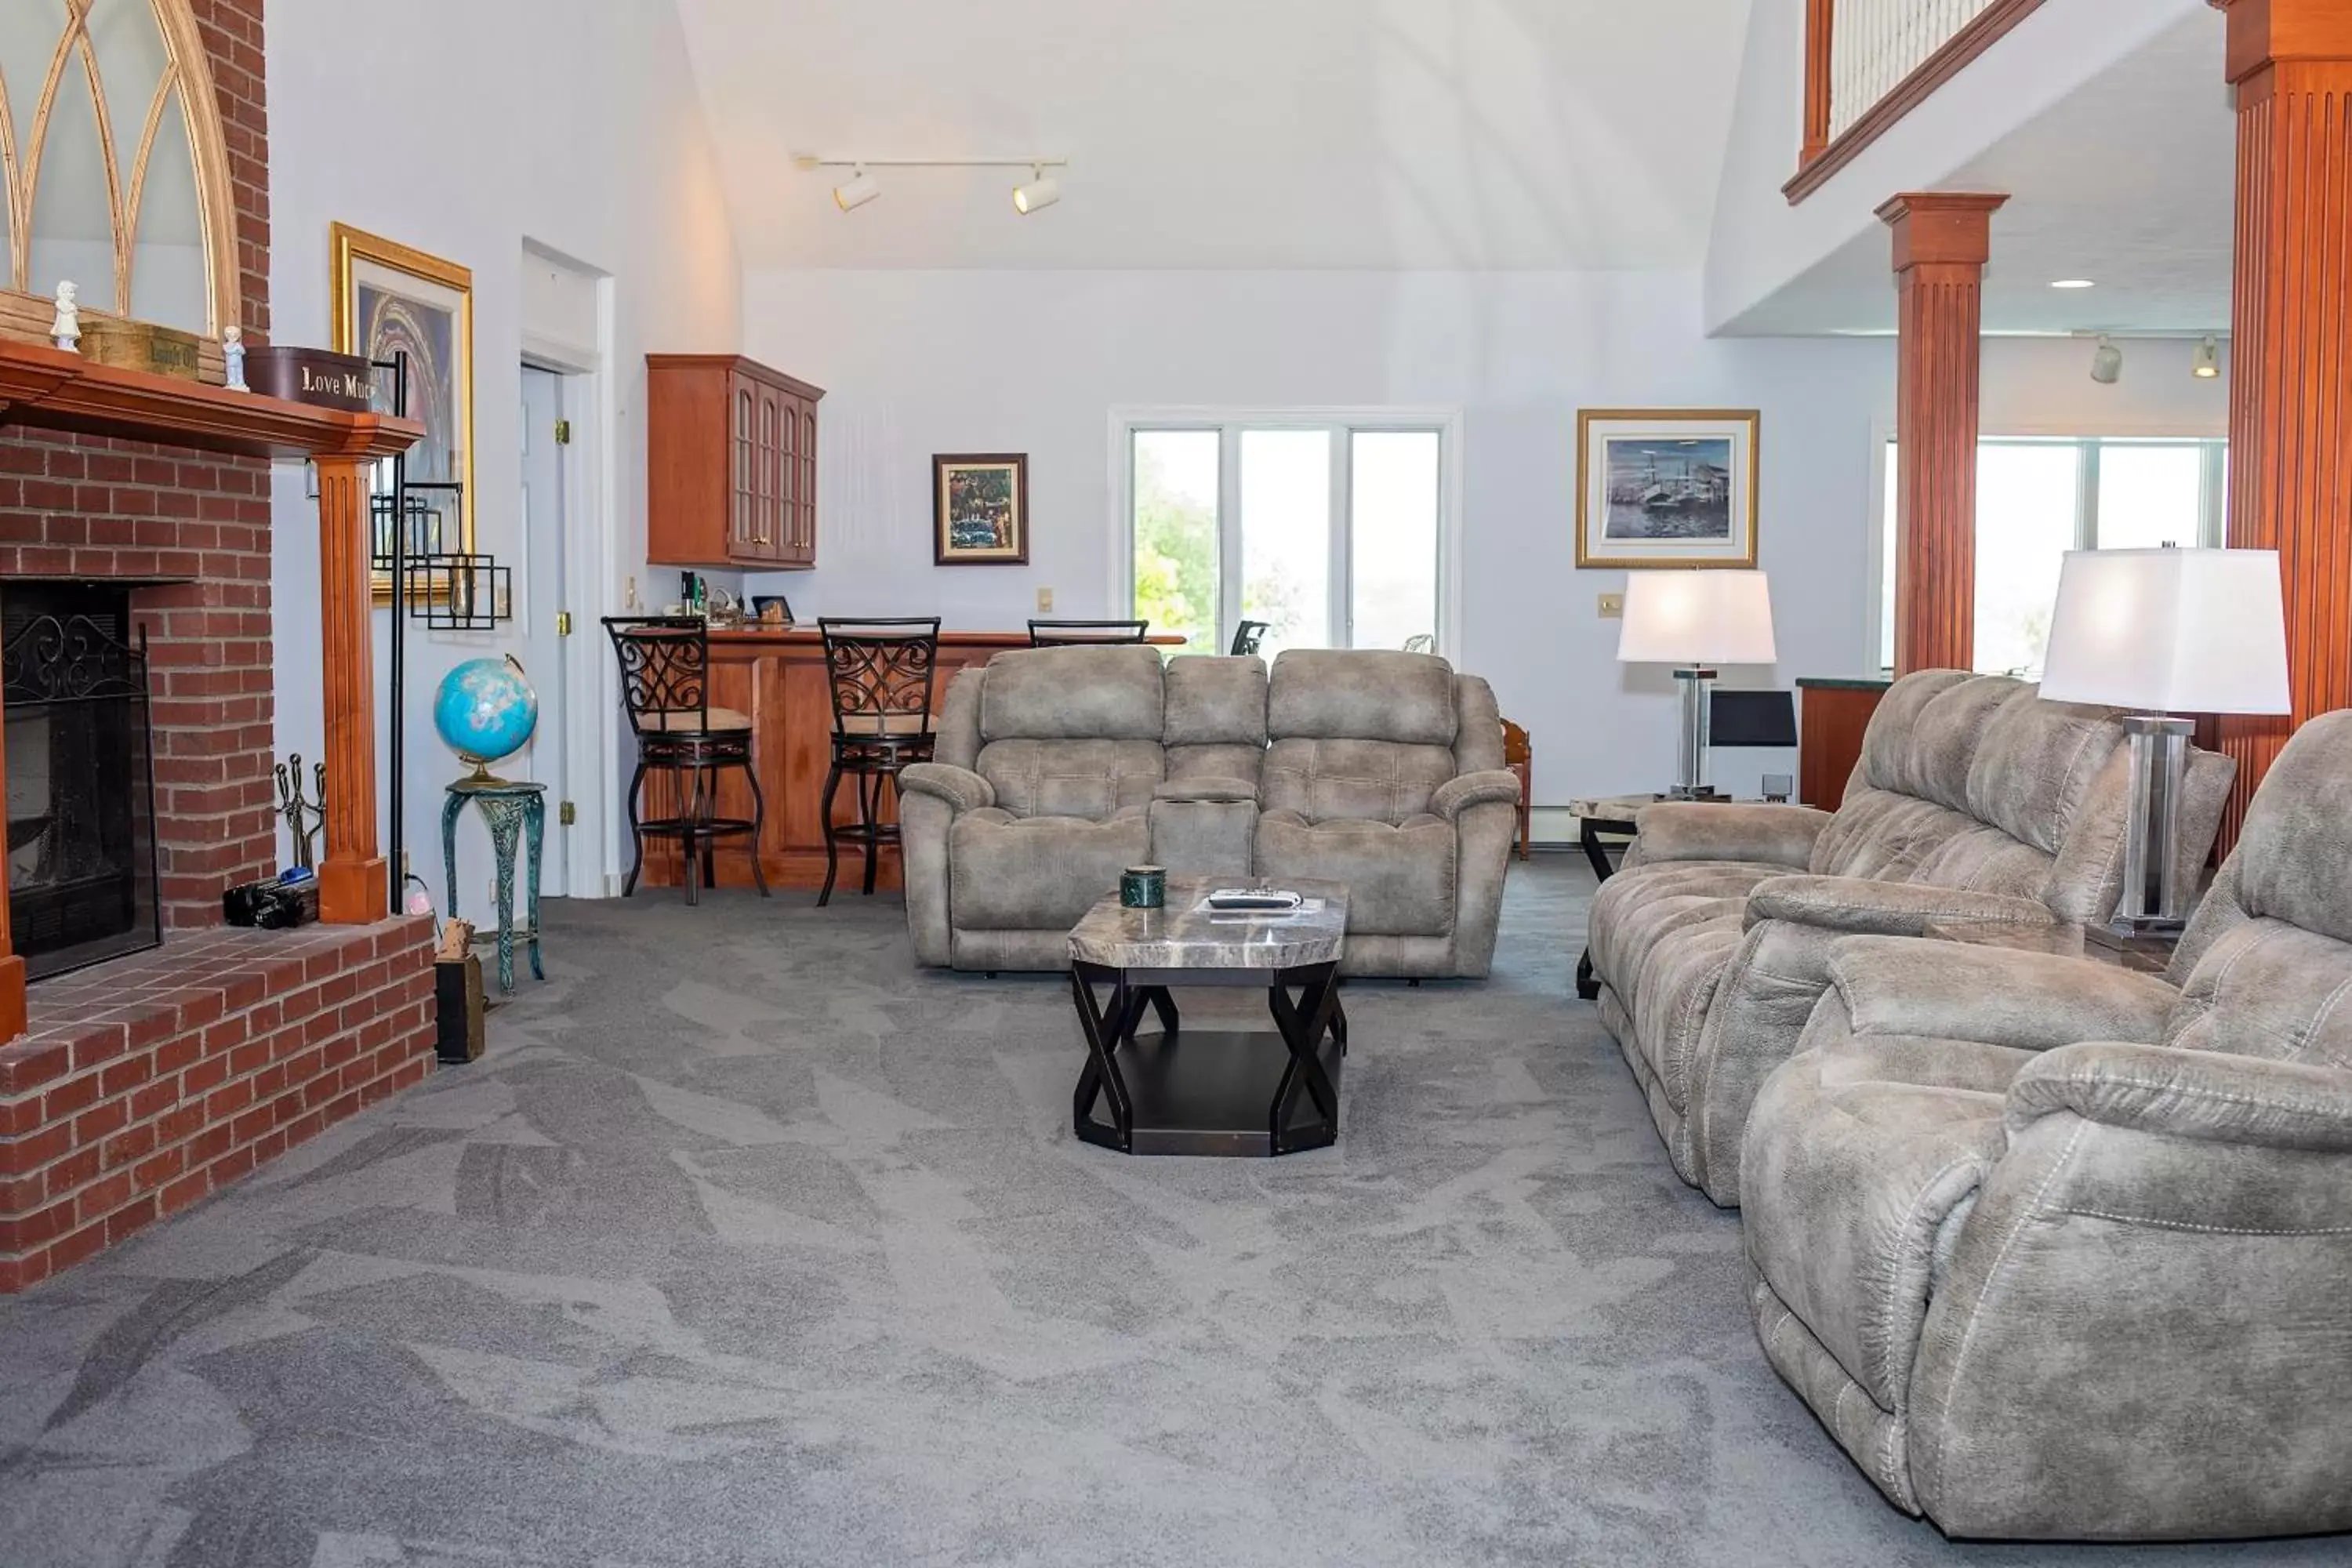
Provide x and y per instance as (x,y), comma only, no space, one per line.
(1870,62)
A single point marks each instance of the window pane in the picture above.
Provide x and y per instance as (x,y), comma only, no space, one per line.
(2025,525)
(1176,535)
(1286,536)
(2149,495)
(1392,499)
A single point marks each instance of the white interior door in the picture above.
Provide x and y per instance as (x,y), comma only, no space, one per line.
(543,656)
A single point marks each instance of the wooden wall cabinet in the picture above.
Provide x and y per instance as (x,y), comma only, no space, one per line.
(730,464)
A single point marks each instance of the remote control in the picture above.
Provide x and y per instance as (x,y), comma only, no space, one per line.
(1241,898)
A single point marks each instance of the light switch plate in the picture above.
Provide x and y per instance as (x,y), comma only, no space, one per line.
(1613,606)
(1045,601)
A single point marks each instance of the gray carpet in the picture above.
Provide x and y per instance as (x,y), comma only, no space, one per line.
(748,1244)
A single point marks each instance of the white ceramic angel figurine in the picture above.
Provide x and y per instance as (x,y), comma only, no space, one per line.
(232,351)
(66,329)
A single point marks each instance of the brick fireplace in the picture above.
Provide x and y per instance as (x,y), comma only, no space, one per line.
(145,1082)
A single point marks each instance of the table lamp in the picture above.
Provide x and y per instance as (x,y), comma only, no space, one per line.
(2165,632)
(1694,620)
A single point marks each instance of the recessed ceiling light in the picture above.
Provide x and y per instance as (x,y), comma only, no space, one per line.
(2074,283)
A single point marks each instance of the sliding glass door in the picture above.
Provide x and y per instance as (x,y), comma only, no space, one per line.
(1331,533)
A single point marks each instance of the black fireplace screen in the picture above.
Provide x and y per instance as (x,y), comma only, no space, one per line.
(81,782)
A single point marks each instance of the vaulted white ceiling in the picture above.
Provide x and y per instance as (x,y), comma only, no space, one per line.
(1228,134)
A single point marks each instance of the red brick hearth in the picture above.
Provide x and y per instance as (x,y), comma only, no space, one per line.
(145,1082)
(148,1083)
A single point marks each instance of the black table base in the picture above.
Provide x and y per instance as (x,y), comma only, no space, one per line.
(1222,1093)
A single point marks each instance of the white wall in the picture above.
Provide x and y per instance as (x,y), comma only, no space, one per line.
(1761,243)
(917,363)
(466,131)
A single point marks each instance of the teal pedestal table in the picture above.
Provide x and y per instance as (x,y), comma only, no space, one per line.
(516,815)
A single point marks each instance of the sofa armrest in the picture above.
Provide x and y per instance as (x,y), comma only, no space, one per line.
(1459,793)
(2209,1096)
(1724,830)
(960,787)
(1996,997)
(1220,790)
(1860,907)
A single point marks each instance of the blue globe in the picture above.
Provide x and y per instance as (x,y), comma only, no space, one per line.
(486,710)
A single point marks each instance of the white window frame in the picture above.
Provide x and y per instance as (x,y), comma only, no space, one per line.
(1341,423)
(2213,503)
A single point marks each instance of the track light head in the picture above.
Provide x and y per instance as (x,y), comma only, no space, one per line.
(2207,365)
(856,191)
(1041,190)
(2108,363)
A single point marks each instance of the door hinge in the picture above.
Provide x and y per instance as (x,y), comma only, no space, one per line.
(566,813)
(564,432)
(563,623)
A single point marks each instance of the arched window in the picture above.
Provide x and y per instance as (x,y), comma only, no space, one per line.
(113,166)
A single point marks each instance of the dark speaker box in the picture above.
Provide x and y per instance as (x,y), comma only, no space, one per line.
(457,1005)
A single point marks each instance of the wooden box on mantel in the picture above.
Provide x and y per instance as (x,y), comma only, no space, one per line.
(140,345)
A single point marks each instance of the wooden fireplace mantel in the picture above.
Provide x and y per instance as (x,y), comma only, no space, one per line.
(51,389)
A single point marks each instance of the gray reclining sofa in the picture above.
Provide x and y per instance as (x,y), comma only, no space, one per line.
(1973,800)
(2055,1249)
(1058,768)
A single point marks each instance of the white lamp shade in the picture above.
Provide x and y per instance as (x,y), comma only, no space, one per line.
(1696,618)
(2169,631)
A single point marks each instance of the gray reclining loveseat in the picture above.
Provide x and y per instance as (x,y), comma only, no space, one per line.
(2059,1250)
(1973,800)
(1058,768)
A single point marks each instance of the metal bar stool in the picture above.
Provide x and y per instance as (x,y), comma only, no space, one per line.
(881,669)
(665,684)
(1248,636)
(1084,634)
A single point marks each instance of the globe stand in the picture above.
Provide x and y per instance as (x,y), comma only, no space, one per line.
(481,777)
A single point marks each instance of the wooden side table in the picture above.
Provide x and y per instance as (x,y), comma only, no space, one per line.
(1519,758)
(513,812)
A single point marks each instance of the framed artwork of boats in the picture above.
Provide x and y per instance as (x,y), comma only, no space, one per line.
(1665,487)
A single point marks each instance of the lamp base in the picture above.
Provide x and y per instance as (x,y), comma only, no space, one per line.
(2155,887)
(1690,773)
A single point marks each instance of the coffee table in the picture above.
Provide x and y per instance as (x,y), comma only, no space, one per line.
(1201,1092)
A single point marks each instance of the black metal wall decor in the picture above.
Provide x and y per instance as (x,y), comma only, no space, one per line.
(82,817)
(450,589)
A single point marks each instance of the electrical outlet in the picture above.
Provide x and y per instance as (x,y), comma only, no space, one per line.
(1045,601)
(1613,606)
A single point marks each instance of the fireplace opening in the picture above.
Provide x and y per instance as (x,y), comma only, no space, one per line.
(82,785)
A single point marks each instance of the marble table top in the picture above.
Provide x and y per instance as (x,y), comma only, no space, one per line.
(1188,935)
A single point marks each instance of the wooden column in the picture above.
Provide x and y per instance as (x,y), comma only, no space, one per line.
(351,886)
(1821,21)
(1941,242)
(2291,357)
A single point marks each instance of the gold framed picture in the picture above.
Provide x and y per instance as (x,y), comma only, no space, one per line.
(979,509)
(1667,487)
(393,301)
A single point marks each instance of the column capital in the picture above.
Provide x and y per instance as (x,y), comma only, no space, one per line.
(2265,33)
(1941,227)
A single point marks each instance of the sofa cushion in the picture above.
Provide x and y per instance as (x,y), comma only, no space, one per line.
(1037,873)
(1362,694)
(2036,764)
(2269,989)
(1216,701)
(1401,879)
(1072,693)
(1362,781)
(2296,856)
(1088,779)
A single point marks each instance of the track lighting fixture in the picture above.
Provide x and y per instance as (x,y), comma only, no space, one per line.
(2108,363)
(2207,365)
(1040,191)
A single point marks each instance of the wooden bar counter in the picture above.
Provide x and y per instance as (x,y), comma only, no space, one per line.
(777,676)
